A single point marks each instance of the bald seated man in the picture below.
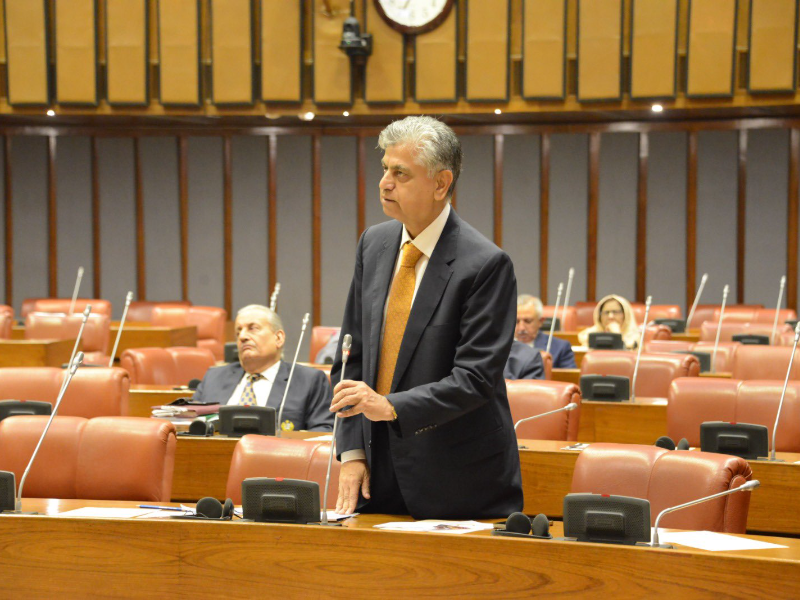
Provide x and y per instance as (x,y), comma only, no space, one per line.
(260,376)
(529,323)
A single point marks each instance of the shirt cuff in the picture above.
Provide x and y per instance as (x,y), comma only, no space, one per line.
(357,454)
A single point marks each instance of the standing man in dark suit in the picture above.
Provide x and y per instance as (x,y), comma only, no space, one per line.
(529,323)
(260,376)
(426,429)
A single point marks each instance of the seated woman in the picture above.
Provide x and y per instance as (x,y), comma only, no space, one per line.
(613,314)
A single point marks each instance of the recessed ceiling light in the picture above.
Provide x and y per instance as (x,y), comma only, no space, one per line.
(309,116)
(497,111)
(657,108)
(51,113)
(346,113)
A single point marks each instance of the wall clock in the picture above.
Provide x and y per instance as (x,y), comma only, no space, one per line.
(414,16)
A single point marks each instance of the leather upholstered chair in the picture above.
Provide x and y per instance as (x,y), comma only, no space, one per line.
(656,371)
(668,478)
(320,336)
(666,346)
(53,472)
(569,317)
(764,362)
(94,341)
(657,311)
(529,397)
(209,320)
(95,392)
(6,323)
(708,331)
(166,366)
(267,456)
(752,314)
(61,306)
(706,312)
(142,310)
(657,332)
(584,314)
(547,361)
(126,458)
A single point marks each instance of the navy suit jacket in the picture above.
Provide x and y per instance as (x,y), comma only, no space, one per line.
(524,362)
(452,446)
(307,405)
(561,350)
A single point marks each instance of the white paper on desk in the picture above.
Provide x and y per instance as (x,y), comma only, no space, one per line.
(715,542)
(328,437)
(437,526)
(106,513)
(334,516)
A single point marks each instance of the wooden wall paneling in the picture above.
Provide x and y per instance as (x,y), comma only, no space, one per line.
(741,214)
(281,50)
(384,75)
(316,229)
(544,49)
(141,268)
(231,52)
(96,254)
(272,211)
(127,52)
(2,36)
(711,52)
(793,204)
(488,50)
(332,77)
(592,220)
(76,52)
(179,52)
(9,220)
(361,186)
(498,189)
(436,62)
(183,195)
(27,55)
(654,48)
(52,219)
(600,49)
(544,212)
(227,223)
(641,218)
(772,57)
(691,219)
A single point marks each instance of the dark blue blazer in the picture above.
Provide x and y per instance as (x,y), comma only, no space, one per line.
(524,362)
(561,350)
(452,446)
(307,405)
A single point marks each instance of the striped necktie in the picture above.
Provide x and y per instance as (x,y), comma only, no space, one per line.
(249,395)
(397,313)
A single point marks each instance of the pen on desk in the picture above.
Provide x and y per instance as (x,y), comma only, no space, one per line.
(153,506)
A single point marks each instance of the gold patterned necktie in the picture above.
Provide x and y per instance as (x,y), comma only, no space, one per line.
(397,311)
(249,395)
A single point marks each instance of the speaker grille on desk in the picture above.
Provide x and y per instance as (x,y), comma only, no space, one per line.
(280,500)
(8,490)
(599,518)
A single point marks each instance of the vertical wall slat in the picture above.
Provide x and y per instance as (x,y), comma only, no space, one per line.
(436,62)
(27,58)
(544,213)
(281,51)
(272,211)
(711,48)
(183,195)
(179,51)
(227,222)
(641,218)
(316,229)
(773,46)
(9,220)
(741,214)
(127,36)
(544,49)
(231,52)
(52,219)
(487,48)
(384,76)
(332,76)
(791,219)
(75,52)
(141,267)
(498,189)
(654,47)
(599,49)
(691,218)
(592,220)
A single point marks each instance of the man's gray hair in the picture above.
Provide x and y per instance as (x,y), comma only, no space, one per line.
(437,146)
(528,300)
(272,317)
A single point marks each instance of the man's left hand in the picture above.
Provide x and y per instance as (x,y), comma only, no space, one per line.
(359,398)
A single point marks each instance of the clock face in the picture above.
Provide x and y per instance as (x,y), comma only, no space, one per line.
(414,16)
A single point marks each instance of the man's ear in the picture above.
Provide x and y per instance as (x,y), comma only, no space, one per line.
(444,179)
(280,338)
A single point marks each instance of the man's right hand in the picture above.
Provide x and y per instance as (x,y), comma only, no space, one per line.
(353,476)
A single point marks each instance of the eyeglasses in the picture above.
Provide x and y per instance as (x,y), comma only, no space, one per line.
(612,313)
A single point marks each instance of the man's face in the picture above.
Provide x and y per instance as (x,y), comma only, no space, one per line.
(259,346)
(408,194)
(528,324)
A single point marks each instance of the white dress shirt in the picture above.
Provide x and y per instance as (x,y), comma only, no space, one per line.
(261,388)
(425,242)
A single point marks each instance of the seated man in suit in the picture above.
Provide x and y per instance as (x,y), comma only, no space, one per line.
(260,376)
(523,362)
(529,321)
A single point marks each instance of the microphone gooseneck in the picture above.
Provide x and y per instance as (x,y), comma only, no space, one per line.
(86,312)
(746,487)
(347,342)
(75,291)
(570,276)
(783,393)
(696,299)
(777,310)
(291,372)
(639,350)
(719,328)
(567,408)
(128,299)
(553,320)
(73,368)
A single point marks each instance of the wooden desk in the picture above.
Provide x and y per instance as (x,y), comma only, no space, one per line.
(77,558)
(35,353)
(142,398)
(639,422)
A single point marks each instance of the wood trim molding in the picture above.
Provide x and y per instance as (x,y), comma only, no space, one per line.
(141,272)
(592,220)
(183,211)
(498,189)
(741,214)
(52,219)
(96,258)
(791,219)
(227,219)
(544,213)
(691,217)
(9,220)
(641,218)
(316,230)
(272,211)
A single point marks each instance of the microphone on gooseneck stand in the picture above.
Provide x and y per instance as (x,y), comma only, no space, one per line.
(86,312)
(639,350)
(128,299)
(783,394)
(746,487)
(567,408)
(777,310)
(347,342)
(566,296)
(553,320)
(719,328)
(278,428)
(75,291)
(70,374)
(696,299)
(273,299)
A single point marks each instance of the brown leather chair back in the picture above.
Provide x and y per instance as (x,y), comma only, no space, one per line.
(126,458)
(656,371)
(529,397)
(725,353)
(584,314)
(52,474)
(695,400)
(666,346)
(764,362)
(6,323)
(166,366)
(657,332)
(767,316)
(667,478)
(209,320)
(267,456)
(61,305)
(657,311)
(708,331)
(569,317)
(547,361)
(96,334)
(142,310)
(5,309)
(320,336)
(757,402)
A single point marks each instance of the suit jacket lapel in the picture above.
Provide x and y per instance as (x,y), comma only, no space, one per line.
(434,282)
(378,290)
(278,388)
